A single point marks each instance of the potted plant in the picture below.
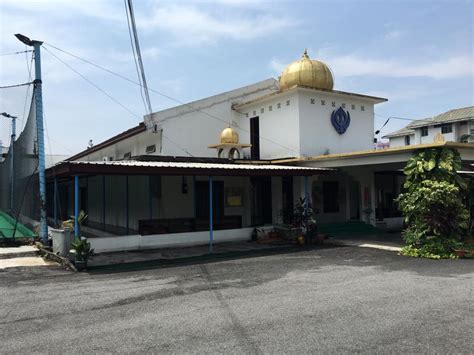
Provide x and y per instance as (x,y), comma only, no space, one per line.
(303,217)
(82,251)
(70,222)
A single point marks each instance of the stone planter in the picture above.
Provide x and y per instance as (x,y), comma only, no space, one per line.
(62,240)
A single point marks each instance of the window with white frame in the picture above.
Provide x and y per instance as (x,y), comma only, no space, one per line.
(424,131)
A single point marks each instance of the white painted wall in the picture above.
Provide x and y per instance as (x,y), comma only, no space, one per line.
(139,242)
(303,128)
(317,134)
(400,141)
(432,132)
(278,123)
(136,145)
(200,123)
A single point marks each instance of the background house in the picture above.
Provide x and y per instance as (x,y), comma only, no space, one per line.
(453,126)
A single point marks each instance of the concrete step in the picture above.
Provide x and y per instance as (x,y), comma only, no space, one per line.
(24,251)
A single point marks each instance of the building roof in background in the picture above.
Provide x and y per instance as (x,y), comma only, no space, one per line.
(456,115)
(405,131)
(117,138)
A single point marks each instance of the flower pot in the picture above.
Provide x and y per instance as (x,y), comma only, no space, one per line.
(80,265)
(459,253)
(300,240)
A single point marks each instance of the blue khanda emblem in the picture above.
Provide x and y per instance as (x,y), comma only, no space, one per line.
(341,120)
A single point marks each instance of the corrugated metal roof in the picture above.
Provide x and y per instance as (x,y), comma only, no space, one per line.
(400,133)
(459,114)
(192,165)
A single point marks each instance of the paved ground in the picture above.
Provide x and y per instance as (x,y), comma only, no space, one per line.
(335,300)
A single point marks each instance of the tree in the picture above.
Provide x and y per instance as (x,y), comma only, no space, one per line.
(432,202)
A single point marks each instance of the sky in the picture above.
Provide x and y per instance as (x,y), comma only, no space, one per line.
(417,54)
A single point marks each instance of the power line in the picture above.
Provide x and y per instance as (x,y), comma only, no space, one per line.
(4,54)
(170,97)
(15,86)
(94,85)
(400,118)
(112,98)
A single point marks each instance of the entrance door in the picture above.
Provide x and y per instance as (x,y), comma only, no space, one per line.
(354,199)
(261,200)
(255,138)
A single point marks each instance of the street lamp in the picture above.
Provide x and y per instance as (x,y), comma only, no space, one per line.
(43,232)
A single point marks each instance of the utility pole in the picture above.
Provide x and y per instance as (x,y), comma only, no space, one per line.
(43,232)
(12,165)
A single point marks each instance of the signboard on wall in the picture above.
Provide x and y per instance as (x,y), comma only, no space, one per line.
(233,196)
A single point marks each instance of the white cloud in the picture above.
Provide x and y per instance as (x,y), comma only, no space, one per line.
(394,34)
(352,65)
(191,25)
(277,66)
(447,68)
(67,8)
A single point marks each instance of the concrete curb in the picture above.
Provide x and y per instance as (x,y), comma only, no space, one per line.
(58,259)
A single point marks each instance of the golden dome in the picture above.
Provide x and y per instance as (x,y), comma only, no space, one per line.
(307,72)
(228,135)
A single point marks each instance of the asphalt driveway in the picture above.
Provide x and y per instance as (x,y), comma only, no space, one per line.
(333,300)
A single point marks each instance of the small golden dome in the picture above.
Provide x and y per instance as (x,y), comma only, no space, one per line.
(228,135)
(307,72)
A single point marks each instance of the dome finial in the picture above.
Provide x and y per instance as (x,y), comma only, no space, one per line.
(305,53)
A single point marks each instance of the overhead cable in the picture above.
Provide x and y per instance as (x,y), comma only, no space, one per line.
(171,98)
(112,98)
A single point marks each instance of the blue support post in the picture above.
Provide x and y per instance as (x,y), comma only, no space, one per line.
(103,202)
(76,205)
(12,166)
(150,197)
(55,202)
(127,205)
(194,197)
(43,232)
(211,217)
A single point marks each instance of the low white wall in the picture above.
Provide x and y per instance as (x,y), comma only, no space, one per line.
(137,242)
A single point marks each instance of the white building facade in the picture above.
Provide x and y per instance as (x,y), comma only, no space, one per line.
(298,121)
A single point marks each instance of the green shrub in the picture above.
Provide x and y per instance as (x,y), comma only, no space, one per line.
(432,203)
